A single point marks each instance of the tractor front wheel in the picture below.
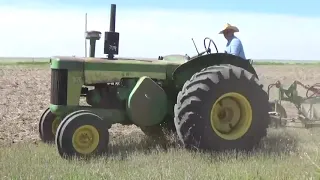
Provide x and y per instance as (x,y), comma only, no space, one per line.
(48,125)
(82,134)
(222,108)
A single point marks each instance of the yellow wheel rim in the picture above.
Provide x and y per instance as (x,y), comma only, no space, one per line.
(85,139)
(55,124)
(231,116)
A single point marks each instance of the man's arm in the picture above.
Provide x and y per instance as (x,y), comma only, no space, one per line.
(235,47)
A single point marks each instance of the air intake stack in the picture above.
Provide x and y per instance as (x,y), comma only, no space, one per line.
(93,36)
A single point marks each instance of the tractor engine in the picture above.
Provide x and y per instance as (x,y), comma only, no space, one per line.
(104,96)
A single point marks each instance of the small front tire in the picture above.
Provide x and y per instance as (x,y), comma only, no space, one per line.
(82,135)
(48,125)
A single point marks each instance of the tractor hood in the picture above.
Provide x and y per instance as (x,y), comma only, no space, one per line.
(175,58)
(100,70)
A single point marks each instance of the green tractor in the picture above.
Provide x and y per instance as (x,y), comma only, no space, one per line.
(211,101)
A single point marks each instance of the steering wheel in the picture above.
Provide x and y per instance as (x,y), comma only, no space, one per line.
(208,50)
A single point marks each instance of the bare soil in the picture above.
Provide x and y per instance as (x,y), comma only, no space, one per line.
(25,94)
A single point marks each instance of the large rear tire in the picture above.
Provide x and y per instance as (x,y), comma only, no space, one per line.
(222,108)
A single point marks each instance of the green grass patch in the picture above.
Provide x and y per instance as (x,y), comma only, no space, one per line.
(282,155)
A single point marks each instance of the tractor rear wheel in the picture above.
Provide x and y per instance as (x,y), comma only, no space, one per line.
(222,108)
(48,125)
(82,134)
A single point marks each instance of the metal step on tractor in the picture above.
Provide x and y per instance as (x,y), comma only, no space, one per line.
(211,101)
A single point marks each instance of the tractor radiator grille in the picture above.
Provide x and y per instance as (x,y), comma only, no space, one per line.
(59,86)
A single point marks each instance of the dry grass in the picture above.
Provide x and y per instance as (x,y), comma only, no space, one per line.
(24,91)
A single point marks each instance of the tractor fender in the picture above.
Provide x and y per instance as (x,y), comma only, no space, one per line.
(184,72)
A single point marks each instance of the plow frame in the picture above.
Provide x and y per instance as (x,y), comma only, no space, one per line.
(291,95)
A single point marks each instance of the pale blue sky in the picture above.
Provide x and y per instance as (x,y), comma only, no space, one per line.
(294,7)
(268,29)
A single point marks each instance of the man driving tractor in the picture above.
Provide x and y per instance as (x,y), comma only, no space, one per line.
(234,45)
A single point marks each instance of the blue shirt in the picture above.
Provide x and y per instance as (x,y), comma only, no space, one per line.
(234,46)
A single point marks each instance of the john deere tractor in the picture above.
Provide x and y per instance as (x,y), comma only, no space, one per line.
(211,101)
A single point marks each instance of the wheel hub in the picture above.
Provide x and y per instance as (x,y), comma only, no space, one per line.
(231,116)
(85,139)
(225,115)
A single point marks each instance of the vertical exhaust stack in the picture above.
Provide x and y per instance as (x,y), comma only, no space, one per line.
(111,41)
(112,26)
(85,34)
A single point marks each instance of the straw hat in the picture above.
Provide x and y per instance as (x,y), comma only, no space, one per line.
(229,26)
